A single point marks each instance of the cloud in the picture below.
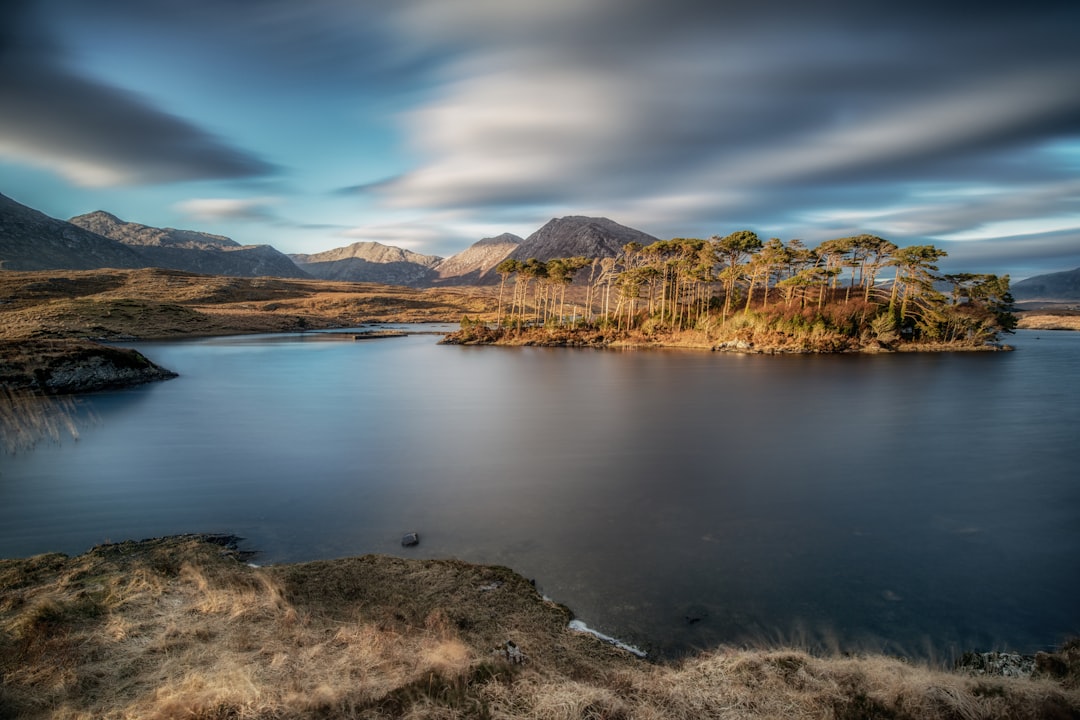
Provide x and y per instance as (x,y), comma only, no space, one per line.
(216,209)
(1023,256)
(706,114)
(422,237)
(91,133)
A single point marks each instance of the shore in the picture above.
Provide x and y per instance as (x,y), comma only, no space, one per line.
(185,626)
(718,340)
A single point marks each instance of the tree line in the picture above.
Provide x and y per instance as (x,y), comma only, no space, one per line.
(861,286)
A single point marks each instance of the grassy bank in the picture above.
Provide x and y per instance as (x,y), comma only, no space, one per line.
(144,304)
(739,335)
(1039,321)
(182,627)
(49,321)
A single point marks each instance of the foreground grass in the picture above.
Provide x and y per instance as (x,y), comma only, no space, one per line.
(180,627)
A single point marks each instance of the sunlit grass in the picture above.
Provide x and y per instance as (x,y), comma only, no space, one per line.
(180,628)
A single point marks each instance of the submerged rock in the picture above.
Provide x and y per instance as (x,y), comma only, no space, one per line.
(410,539)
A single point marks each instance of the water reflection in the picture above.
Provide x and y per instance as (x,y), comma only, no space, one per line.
(675,499)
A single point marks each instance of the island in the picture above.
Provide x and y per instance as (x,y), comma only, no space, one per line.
(739,294)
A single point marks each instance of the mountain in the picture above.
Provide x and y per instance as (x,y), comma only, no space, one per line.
(476,264)
(191,251)
(31,240)
(577,235)
(1052,286)
(370,262)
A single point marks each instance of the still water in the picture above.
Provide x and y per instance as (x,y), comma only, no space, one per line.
(920,504)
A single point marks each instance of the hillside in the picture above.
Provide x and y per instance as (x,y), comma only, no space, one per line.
(370,262)
(189,250)
(577,235)
(31,240)
(155,303)
(476,264)
(1052,287)
(185,627)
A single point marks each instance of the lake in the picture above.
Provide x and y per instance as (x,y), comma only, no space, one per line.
(921,504)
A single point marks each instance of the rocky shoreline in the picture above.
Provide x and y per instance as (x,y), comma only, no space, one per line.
(63,367)
(693,340)
(187,626)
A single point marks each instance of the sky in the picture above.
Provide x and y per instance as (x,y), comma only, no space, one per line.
(430,124)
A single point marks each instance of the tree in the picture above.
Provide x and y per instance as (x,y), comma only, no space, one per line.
(915,268)
(874,254)
(767,262)
(733,250)
(505,269)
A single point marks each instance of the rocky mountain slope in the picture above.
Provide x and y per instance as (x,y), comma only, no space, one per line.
(1059,286)
(476,264)
(370,262)
(190,250)
(578,235)
(31,240)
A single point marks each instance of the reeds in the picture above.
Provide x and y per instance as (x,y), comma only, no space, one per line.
(27,419)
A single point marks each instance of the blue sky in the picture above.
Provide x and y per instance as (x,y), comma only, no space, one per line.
(429,124)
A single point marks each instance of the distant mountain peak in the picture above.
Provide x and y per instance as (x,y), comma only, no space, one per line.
(475,265)
(574,235)
(135,234)
(370,261)
(1058,286)
(504,239)
(31,240)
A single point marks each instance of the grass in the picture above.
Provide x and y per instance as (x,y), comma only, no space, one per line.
(154,303)
(181,627)
(48,320)
(1037,321)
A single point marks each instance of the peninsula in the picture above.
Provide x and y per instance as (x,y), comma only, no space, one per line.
(186,627)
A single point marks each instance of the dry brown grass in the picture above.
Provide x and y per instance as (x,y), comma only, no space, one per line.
(157,303)
(1049,322)
(179,627)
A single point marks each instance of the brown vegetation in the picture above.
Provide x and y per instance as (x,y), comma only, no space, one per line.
(129,304)
(180,627)
(46,317)
(1046,321)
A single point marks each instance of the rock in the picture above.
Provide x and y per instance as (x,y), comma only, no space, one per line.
(999,664)
(512,653)
(410,539)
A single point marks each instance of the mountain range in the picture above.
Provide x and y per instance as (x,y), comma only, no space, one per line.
(1052,286)
(31,240)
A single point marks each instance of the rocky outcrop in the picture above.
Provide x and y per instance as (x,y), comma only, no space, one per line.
(370,262)
(60,367)
(476,264)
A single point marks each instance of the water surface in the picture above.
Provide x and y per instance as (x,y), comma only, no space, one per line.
(910,503)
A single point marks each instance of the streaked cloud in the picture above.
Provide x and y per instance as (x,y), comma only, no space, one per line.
(255,208)
(919,121)
(94,134)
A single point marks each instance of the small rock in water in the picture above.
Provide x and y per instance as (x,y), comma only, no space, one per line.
(410,539)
